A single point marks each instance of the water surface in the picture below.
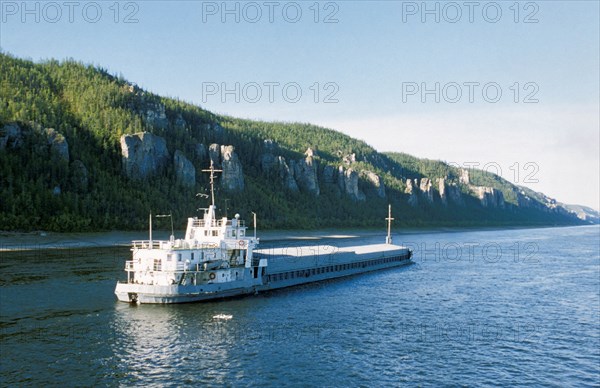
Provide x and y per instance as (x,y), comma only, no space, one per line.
(477,308)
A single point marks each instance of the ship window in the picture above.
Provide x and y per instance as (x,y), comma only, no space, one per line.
(242,233)
(215,233)
(179,257)
(192,256)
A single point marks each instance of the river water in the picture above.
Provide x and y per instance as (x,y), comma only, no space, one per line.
(508,307)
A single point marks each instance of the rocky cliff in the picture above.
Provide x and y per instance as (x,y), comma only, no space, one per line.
(11,136)
(305,173)
(489,196)
(375,181)
(286,174)
(58,144)
(86,175)
(233,176)
(348,182)
(143,155)
(184,170)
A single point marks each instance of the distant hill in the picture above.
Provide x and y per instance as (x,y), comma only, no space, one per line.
(81,150)
(583,212)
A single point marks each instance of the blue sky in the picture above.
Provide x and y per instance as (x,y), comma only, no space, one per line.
(365,59)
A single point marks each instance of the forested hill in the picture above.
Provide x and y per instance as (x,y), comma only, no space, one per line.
(82,150)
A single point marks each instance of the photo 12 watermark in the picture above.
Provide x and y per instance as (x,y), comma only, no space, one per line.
(474,252)
(453,12)
(270,91)
(470,92)
(252,12)
(525,172)
(53,12)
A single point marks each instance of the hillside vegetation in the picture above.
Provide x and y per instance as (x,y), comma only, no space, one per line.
(62,165)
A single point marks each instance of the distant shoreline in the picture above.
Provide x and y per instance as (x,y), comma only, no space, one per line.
(24,241)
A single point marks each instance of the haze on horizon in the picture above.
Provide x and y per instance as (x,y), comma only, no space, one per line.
(513,87)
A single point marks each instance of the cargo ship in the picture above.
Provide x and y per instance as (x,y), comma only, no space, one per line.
(218,259)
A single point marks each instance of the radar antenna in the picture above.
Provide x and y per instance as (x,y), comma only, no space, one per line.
(212,181)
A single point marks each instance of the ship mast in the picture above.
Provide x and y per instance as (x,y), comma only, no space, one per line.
(212,181)
(389,219)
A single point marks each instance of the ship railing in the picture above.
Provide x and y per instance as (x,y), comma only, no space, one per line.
(154,244)
(217,223)
(129,265)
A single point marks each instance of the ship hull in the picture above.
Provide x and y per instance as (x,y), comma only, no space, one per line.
(285,276)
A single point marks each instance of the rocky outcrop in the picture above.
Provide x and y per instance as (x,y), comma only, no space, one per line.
(376,182)
(58,144)
(200,152)
(349,159)
(455,194)
(286,174)
(305,172)
(233,176)
(214,153)
(11,136)
(442,190)
(80,175)
(543,202)
(143,154)
(348,181)
(184,170)
(464,177)
(155,115)
(425,188)
(489,196)
(268,160)
(413,200)
(329,175)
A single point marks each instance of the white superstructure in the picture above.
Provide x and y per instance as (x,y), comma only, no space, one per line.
(214,257)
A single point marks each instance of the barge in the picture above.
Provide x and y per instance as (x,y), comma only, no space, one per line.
(218,259)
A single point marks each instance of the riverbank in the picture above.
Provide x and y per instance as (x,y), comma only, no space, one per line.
(15,241)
